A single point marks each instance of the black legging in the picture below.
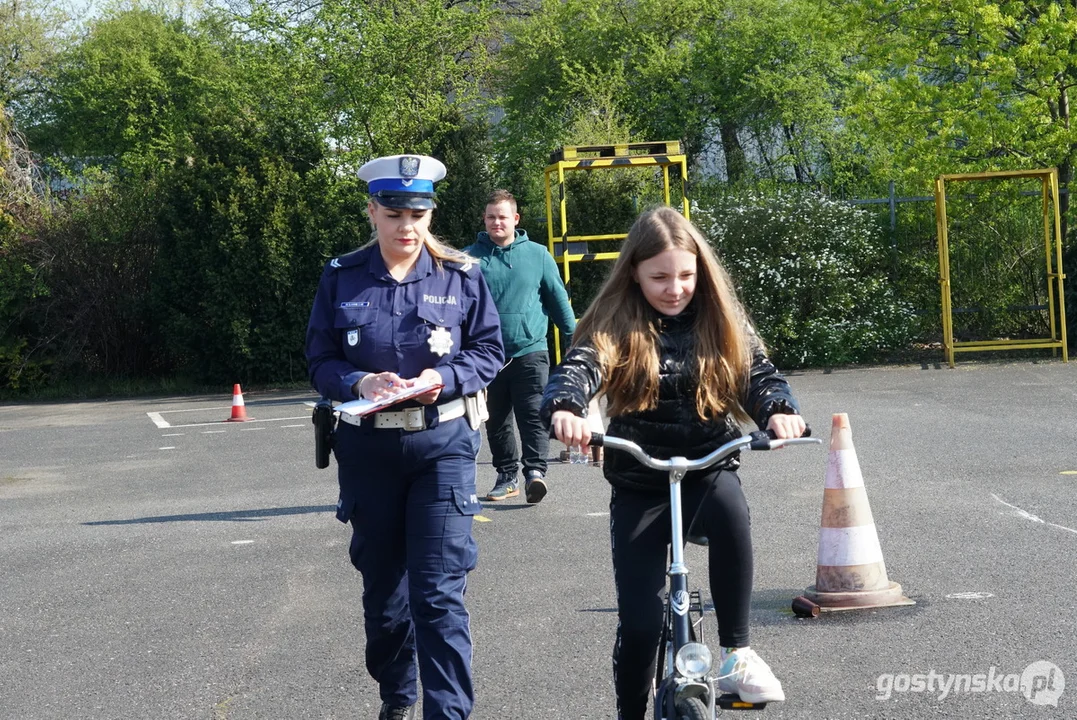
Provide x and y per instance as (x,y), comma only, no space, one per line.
(640,535)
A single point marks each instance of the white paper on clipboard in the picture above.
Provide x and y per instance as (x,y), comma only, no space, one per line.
(363,407)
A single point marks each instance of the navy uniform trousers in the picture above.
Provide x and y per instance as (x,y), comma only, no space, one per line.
(410,497)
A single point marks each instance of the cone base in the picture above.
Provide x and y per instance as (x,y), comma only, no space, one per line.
(242,419)
(859,599)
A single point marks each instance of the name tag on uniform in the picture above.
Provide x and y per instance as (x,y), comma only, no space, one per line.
(353,337)
(354,304)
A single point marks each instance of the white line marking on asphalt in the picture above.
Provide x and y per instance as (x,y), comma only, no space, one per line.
(970,596)
(284,426)
(159,421)
(597,514)
(173,434)
(301,417)
(250,429)
(211,432)
(242,542)
(1029,516)
(170,447)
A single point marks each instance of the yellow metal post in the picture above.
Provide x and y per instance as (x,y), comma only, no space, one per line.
(549,247)
(1047,186)
(684,189)
(944,271)
(1059,275)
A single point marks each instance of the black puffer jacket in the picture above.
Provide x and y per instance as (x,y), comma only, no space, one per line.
(673,427)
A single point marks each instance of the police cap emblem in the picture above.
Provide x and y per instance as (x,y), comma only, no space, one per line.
(409,166)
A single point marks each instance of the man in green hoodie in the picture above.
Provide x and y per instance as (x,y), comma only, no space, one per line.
(528,292)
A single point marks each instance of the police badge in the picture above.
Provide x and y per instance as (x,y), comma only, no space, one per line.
(440,341)
(409,168)
(353,337)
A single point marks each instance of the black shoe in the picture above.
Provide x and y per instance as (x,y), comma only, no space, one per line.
(388,712)
(504,488)
(534,486)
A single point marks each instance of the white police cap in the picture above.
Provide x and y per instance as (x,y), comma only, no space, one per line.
(403,181)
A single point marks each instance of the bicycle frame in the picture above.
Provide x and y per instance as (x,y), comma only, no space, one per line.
(674,686)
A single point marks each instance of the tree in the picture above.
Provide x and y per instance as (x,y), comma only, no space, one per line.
(20,208)
(963,86)
(722,73)
(135,92)
(31,33)
(385,77)
(773,76)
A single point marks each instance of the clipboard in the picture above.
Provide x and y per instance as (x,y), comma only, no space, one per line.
(364,407)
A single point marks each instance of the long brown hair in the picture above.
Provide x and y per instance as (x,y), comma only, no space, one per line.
(620,324)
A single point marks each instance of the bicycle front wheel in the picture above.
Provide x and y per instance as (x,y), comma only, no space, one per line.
(692,709)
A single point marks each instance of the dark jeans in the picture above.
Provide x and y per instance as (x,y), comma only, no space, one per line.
(713,507)
(518,387)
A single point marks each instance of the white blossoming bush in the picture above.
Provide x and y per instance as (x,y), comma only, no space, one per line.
(812,273)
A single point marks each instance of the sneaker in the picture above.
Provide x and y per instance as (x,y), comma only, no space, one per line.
(745,674)
(506,487)
(534,486)
(396,713)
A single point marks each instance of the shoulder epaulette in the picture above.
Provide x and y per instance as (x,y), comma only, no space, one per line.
(355,257)
(464,266)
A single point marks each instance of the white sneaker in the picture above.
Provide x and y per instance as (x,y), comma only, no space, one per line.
(744,673)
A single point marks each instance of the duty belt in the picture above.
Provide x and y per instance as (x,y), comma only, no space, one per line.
(411,419)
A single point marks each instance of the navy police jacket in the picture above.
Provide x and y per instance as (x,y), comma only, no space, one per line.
(365,321)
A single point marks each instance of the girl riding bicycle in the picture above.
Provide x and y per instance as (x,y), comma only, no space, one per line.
(669,344)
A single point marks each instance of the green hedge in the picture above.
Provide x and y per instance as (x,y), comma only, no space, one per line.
(813,274)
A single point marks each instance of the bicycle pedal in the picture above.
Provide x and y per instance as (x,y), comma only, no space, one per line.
(729,701)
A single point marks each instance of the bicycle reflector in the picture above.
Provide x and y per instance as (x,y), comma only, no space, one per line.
(693,660)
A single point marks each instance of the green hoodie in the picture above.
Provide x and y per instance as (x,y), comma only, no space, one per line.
(527,290)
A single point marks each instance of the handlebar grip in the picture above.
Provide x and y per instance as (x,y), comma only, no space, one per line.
(597,440)
(761,438)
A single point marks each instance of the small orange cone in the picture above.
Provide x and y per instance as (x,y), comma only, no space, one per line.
(851,573)
(239,410)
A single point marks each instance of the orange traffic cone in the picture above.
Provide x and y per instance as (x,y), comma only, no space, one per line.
(239,410)
(851,573)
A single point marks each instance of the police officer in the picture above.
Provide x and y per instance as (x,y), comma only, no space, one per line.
(402,310)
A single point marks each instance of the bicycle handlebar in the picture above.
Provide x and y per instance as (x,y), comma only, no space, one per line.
(759,440)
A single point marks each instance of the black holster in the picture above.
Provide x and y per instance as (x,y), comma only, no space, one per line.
(325,422)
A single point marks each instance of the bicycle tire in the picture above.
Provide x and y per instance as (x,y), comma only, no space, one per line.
(692,709)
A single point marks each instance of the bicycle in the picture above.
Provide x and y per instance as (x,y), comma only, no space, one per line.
(684,688)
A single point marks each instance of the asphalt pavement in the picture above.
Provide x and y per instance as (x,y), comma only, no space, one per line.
(158,562)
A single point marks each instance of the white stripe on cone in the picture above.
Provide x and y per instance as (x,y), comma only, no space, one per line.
(857,545)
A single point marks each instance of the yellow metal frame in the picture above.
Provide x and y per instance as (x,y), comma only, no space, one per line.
(665,154)
(1052,240)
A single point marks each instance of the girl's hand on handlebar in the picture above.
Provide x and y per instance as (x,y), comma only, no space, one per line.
(786,426)
(570,429)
